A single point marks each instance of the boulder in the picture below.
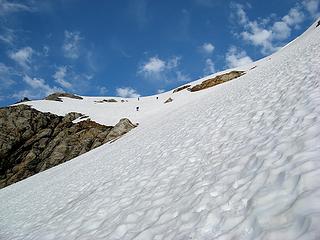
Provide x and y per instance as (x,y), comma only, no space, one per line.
(168,100)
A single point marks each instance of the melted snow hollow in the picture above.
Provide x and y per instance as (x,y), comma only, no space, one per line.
(236,161)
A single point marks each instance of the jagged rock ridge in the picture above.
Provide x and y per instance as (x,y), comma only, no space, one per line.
(33,141)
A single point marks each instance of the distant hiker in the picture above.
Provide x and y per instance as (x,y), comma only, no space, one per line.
(137,108)
(138,99)
(157,97)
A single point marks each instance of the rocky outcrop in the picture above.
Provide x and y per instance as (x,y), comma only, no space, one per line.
(111,100)
(181,88)
(25,99)
(217,80)
(57,96)
(33,141)
(168,100)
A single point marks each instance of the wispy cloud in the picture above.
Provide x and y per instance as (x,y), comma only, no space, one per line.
(102,90)
(8,7)
(127,92)
(183,31)
(157,69)
(37,88)
(7,35)
(209,67)
(59,77)
(45,51)
(22,57)
(71,45)
(6,76)
(267,34)
(236,57)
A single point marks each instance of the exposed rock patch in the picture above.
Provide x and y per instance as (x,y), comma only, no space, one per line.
(57,96)
(318,24)
(217,80)
(25,99)
(168,100)
(33,141)
(106,101)
(181,88)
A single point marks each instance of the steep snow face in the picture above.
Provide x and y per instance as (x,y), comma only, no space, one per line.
(236,161)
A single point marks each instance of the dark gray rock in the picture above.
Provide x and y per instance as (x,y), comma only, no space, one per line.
(111,100)
(57,96)
(181,88)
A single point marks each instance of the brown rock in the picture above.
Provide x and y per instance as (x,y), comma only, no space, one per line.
(33,141)
(217,80)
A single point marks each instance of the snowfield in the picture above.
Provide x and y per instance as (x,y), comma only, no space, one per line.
(240,160)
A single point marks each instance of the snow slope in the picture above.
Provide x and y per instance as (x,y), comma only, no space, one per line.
(236,161)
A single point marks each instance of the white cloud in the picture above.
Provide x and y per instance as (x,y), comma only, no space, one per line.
(240,13)
(22,56)
(259,37)
(7,7)
(236,57)
(209,67)
(157,69)
(312,6)
(37,88)
(264,33)
(154,65)
(127,92)
(59,77)
(294,17)
(71,45)
(281,31)
(207,48)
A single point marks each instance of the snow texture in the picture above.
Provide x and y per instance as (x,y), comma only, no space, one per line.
(236,161)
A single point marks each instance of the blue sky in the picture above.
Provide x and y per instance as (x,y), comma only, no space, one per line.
(135,47)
